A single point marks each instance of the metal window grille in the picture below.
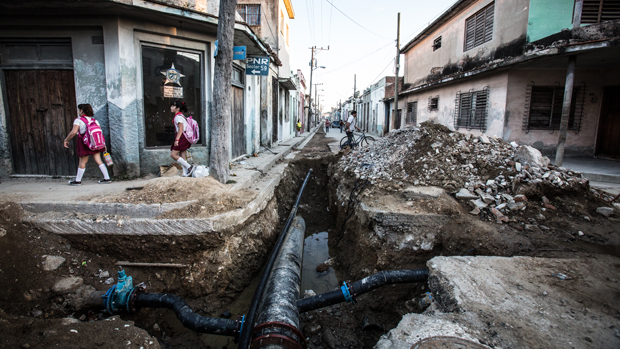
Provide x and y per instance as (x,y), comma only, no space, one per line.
(472,109)
(479,27)
(597,11)
(544,111)
(412,113)
(250,13)
(433,103)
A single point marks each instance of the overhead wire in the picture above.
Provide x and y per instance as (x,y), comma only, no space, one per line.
(352,20)
(310,24)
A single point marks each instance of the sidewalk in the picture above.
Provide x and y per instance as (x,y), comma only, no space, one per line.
(603,174)
(49,190)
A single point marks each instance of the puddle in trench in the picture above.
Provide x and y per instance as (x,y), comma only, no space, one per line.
(316,252)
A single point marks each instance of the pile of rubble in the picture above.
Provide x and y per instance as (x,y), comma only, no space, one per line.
(486,170)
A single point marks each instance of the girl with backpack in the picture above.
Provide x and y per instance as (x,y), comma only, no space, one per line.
(178,150)
(90,142)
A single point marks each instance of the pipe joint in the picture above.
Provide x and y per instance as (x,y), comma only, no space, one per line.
(346,292)
(121,297)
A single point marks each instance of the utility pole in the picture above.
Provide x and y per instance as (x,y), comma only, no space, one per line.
(312,68)
(396,76)
(568,91)
(219,160)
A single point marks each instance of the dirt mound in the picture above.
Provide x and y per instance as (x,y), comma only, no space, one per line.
(213,197)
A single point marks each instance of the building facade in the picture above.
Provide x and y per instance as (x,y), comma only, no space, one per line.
(500,67)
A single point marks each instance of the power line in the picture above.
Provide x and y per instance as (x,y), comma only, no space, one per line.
(310,24)
(417,31)
(361,58)
(361,26)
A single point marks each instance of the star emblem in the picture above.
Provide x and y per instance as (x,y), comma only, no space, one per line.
(172,75)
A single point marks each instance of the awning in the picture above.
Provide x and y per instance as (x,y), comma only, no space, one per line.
(288,84)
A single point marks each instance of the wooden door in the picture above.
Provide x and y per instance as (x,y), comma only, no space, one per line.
(608,140)
(274,107)
(237,124)
(41,112)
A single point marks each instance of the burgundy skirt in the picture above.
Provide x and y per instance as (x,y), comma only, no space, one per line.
(184,144)
(82,150)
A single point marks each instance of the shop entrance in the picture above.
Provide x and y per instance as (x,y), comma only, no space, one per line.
(41,111)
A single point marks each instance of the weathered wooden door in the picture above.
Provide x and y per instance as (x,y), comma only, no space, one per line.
(608,140)
(237,124)
(42,108)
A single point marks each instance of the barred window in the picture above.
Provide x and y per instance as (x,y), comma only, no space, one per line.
(545,110)
(597,11)
(479,27)
(433,103)
(412,113)
(472,109)
(250,13)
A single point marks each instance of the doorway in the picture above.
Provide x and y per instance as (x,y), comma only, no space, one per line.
(608,139)
(42,108)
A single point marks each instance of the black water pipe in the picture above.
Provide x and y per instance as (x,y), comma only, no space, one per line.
(367,284)
(186,315)
(277,322)
(248,326)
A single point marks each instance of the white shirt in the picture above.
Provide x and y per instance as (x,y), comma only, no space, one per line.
(180,118)
(351,121)
(82,124)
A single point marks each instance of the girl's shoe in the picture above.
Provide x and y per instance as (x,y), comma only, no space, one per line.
(190,170)
(105,181)
(75,183)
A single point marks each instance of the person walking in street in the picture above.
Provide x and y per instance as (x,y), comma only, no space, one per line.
(90,142)
(298,127)
(326,125)
(341,125)
(178,150)
(351,126)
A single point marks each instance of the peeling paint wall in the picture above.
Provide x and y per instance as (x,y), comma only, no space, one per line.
(423,65)
(497,85)
(581,143)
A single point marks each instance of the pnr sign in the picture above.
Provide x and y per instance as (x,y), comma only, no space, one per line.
(257,66)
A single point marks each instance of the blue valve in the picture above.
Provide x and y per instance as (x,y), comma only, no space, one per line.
(346,292)
(116,299)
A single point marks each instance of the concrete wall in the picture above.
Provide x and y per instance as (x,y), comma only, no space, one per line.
(581,143)
(509,32)
(377,106)
(252,114)
(549,17)
(497,85)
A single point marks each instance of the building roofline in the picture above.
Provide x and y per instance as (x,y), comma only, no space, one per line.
(443,18)
(289,9)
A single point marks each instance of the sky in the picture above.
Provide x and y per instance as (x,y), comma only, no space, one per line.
(367,49)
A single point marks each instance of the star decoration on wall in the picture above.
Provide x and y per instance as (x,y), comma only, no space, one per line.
(172,75)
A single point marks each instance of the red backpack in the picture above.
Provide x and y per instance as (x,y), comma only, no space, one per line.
(93,137)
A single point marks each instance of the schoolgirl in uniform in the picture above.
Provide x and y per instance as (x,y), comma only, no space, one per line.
(82,151)
(178,150)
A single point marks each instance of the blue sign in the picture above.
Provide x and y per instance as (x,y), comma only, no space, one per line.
(238,52)
(257,66)
(215,53)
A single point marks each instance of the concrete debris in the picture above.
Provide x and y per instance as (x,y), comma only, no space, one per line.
(475,211)
(605,211)
(67,284)
(52,262)
(485,170)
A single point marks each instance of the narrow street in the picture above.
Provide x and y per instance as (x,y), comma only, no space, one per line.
(177,174)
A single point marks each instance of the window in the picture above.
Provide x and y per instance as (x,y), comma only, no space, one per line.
(479,28)
(597,11)
(437,44)
(250,13)
(471,109)
(545,110)
(433,103)
(412,113)
(167,75)
(237,76)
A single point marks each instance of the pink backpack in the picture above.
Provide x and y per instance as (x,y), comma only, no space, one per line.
(192,131)
(93,138)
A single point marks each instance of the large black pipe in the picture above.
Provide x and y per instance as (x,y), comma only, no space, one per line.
(248,326)
(186,315)
(362,286)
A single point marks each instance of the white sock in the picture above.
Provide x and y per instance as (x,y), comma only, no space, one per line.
(78,177)
(184,171)
(183,163)
(104,170)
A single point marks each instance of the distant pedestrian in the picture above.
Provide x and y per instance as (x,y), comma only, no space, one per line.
(351,126)
(90,142)
(298,127)
(178,150)
(326,125)
(341,124)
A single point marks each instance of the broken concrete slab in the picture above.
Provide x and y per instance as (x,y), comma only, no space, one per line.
(519,302)
(418,192)
(67,284)
(530,156)
(97,208)
(605,211)
(51,262)
(465,194)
